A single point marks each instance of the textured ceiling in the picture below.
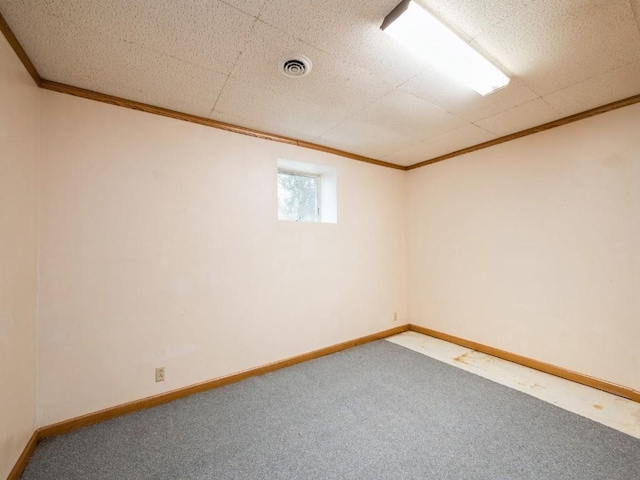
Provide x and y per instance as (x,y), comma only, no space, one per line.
(365,94)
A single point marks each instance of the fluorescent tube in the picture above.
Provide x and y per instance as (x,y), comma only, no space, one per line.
(419,31)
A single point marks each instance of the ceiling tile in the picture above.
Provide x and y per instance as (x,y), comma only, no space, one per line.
(252,7)
(366,94)
(275,109)
(96,56)
(365,139)
(160,77)
(292,128)
(350,31)
(606,88)
(122,69)
(116,67)
(474,17)
(12,9)
(553,44)
(514,94)
(186,30)
(463,137)
(406,114)
(415,153)
(520,118)
(332,84)
(438,89)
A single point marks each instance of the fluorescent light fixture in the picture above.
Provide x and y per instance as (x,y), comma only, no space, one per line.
(419,31)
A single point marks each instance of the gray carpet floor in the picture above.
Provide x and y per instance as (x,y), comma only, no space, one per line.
(377,411)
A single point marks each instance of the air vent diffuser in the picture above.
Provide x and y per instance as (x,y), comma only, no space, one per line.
(294,66)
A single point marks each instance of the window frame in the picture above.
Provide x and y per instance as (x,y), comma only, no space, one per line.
(327,188)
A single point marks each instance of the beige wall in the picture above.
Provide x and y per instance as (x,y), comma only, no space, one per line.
(19,104)
(533,246)
(161,247)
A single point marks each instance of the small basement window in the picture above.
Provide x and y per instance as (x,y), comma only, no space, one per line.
(298,196)
(306,192)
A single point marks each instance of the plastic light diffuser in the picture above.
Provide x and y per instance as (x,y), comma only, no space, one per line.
(419,31)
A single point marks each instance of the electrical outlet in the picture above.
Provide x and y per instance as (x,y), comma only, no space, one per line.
(395,316)
(160,374)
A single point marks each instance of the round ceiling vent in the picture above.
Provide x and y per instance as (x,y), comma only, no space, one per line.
(294,65)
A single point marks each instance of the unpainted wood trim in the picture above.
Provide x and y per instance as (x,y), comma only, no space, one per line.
(148,402)
(22,55)
(609,387)
(165,112)
(625,102)
(21,464)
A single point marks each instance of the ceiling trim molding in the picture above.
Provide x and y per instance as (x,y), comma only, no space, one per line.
(22,55)
(625,102)
(143,107)
(122,102)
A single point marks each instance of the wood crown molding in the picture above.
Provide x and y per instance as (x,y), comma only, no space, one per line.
(22,55)
(21,464)
(625,102)
(143,107)
(609,387)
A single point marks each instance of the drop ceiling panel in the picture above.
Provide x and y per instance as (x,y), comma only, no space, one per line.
(516,93)
(441,145)
(356,135)
(252,7)
(348,30)
(466,135)
(270,109)
(152,24)
(297,128)
(446,143)
(406,114)
(123,69)
(435,87)
(555,44)
(606,88)
(332,84)
(95,56)
(174,81)
(432,86)
(415,153)
(536,112)
(474,17)
(365,94)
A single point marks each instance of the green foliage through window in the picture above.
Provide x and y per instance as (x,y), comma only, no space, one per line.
(297,196)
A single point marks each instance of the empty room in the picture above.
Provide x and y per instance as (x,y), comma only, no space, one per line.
(320,239)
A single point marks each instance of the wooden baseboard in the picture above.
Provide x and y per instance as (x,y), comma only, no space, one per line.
(21,464)
(91,418)
(609,387)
